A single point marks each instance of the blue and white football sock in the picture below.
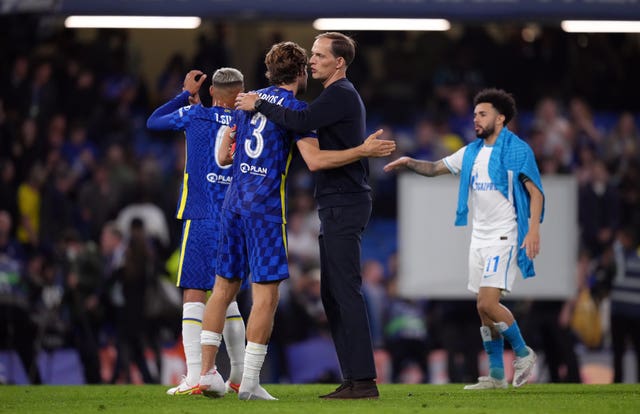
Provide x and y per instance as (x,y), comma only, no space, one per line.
(513,335)
(495,349)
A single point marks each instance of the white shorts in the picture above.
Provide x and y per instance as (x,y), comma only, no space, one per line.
(492,266)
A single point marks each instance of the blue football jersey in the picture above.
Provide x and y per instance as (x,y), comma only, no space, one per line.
(205,182)
(261,163)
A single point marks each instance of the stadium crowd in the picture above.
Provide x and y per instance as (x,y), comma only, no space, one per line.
(88,239)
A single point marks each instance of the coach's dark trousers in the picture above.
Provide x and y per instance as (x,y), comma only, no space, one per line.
(341,281)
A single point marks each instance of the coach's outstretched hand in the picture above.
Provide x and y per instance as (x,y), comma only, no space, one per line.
(246,101)
(397,164)
(374,147)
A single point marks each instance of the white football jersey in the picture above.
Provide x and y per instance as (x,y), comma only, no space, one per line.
(494,216)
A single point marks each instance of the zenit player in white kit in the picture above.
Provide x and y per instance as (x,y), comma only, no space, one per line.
(498,172)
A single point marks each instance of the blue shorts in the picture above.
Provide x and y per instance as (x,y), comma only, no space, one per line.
(252,245)
(196,269)
(198,253)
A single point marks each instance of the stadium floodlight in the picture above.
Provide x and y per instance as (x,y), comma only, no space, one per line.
(600,26)
(132,22)
(382,24)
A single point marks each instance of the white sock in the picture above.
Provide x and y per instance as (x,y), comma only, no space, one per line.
(192,313)
(253,359)
(234,339)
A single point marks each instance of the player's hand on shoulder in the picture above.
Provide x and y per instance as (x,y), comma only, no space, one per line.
(246,101)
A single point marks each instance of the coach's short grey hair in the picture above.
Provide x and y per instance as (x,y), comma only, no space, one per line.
(226,77)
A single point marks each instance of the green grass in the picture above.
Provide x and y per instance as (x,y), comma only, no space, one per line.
(303,399)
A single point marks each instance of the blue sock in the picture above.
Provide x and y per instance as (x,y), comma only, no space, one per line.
(494,349)
(513,335)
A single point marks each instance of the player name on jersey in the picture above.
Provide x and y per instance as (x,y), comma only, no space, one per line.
(274,99)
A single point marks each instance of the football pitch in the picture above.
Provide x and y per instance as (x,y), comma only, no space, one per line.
(296,399)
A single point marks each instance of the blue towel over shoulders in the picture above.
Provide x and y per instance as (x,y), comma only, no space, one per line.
(510,155)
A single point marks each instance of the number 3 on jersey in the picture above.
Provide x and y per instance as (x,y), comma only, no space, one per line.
(255,145)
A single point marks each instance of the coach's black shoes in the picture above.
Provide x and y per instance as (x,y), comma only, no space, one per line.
(346,384)
(354,390)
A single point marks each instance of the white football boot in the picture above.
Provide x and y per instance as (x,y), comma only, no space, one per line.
(212,385)
(522,367)
(488,383)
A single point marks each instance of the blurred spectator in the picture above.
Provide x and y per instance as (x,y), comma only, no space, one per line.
(58,208)
(49,303)
(97,202)
(555,130)
(375,296)
(112,250)
(302,314)
(122,176)
(546,322)
(29,205)
(152,217)
(55,139)
(137,270)
(451,320)
(17,328)
(598,209)
(405,333)
(82,266)
(6,131)
(83,103)
(459,68)
(384,186)
(8,189)
(427,140)
(260,80)
(302,243)
(622,146)
(27,149)
(587,134)
(537,140)
(460,115)
(303,203)
(43,93)
(79,152)
(629,188)
(212,53)
(169,82)
(625,303)
(15,88)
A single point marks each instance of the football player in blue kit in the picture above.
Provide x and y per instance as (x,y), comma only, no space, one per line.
(204,185)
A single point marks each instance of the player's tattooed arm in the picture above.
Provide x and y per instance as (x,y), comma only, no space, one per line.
(426,168)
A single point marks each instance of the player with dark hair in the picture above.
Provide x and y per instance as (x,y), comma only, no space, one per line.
(253,237)
(343,195)
(498,171)
(204,186)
